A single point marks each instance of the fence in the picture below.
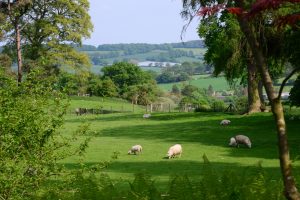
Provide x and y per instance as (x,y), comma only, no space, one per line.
(150,108)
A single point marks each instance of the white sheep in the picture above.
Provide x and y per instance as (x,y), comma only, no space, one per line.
(146,116)
(225,122)
(135,149)
(240,139)
(174,150)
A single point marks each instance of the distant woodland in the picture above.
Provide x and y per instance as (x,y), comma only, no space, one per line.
(169,52)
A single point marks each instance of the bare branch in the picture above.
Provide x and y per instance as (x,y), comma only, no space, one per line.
(285,80)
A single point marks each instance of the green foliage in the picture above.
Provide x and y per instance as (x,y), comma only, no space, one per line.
(294,97)
(241,104)
(31,114)
(143,188)
(175,89)
(47,31)
(188,90)
(125,74)
(251,184)
(5,62)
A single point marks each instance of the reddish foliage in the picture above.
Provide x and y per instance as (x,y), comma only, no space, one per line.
(288,20)
(261,5)
(210,10)
(235,10)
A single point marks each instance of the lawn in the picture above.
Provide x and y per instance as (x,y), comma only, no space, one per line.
(198,133)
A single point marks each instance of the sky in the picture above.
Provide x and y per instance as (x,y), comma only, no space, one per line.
(138,21)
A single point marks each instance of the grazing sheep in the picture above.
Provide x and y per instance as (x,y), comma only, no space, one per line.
(225,122)
(174,150)
(146,116)
(240,139)
(80,111)
(135,149)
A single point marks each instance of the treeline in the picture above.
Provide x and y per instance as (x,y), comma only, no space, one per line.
(122,80)
(182,72)
(142,47)
(171,55)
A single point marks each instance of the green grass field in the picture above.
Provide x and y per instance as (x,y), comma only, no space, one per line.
(198,133)
(218,83)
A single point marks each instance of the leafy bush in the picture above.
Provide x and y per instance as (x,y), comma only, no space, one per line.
(31,112)
(250,183)
(241,104)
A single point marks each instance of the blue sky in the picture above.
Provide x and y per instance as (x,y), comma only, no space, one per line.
(138,21)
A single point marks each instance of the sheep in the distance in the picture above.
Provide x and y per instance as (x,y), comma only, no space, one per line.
(240,139)
(146,116)
(225,122)
(135,149)
(174,151)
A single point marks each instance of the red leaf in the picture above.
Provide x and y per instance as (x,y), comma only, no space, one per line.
(210,10)
(235,10)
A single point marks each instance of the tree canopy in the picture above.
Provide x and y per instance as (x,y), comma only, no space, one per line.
(47,28)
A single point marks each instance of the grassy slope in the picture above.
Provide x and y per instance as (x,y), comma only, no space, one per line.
(217,83)
(142,56)
(199,133)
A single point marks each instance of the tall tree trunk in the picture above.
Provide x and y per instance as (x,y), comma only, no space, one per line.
(15,21)
(254,102)
(19,53)
(261,96)
(291,191)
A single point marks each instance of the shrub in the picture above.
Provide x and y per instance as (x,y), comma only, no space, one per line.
(31,112)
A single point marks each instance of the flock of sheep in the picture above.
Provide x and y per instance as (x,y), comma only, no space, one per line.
(176,150)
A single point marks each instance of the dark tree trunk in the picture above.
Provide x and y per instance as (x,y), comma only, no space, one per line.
(19,53)
(254,102)
(290,188)
(261,96)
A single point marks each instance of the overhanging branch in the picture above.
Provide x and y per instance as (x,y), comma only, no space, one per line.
(285,80)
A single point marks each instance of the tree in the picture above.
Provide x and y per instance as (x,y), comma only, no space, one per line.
(234,58)
(14,12)
(125,74)
(210,90)
(109,89)
(188,90)
(175,89)
(246,12)
(294,97)
(44,31)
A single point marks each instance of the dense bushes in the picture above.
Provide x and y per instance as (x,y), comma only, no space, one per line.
(31,113)
(249,184)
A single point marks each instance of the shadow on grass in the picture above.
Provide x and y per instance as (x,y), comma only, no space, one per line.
(260,128)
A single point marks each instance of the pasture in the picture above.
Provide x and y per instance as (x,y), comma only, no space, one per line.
(198,133)
(201,81)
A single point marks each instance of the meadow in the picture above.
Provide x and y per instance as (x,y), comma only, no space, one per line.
(201,81)
(199,133)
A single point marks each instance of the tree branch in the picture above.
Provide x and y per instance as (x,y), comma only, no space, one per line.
(285,80)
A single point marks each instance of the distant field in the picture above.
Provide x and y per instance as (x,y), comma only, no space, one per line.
(218,83)
(196,51)
(155,53)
